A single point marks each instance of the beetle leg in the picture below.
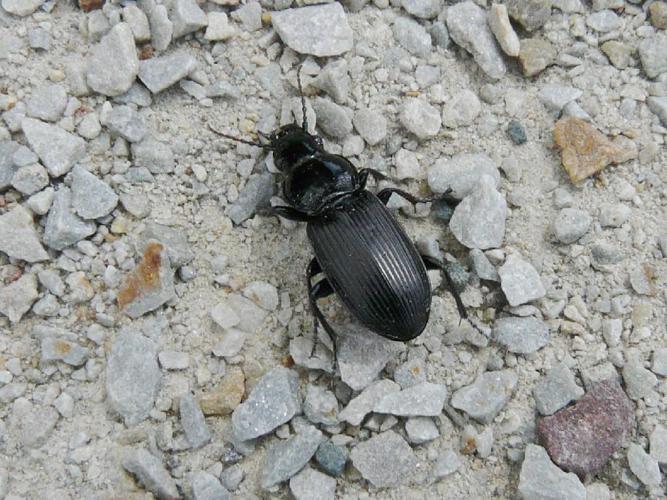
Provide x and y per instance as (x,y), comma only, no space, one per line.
(432,263)
(291,213)
(386,193)
(375,174)
(317,291)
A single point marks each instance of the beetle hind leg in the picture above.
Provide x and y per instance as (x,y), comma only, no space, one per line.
(317,291)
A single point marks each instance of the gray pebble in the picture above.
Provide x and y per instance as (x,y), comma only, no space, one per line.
(59,150)
(206,487)
(364,403)
(331,458)
(520,281)
(251,316)
(440,34)
(604,21)
(571,224)
(479,220)
(231,343)
(12,391)
(421,430)
(410,373)
(482,266)
(47,102)
(138,22)
(335,81)
(521,335)
(605,253)
(461,110)
(540,478)
(412,36)
(55,349)
(489,394)
(193,422)
(151,473)
(231,477)
(639,382)
(133,377)
(89,127)
(98,25)
(20,239)
(63,227)
(310,484)
(319,30)
(161,27)
(461,174)
(320,405)
(653,54)
(137,95)
(658,440)
(531,14)
(555,97)
(658,105)
(91,197)
(332,119)
(21,8)
(154,155)
(174,360)
(659,365)
(556,389)
(386,460)
(35,422)
(256,194)
(250,16)
(124,121)
(361,355)
(285,459)
(643,465)
(17,297)
(517,133)
(160,73)
(614,215)
(420,118)
(186,17)
(7,165)
(425,399)
(425,9)
(448,463)
(272,402)
(113,63)
(468,28)
(371,125)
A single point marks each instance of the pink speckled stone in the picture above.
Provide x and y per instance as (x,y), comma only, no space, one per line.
(582,437)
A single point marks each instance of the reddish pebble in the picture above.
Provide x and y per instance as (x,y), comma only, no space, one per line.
(582,437)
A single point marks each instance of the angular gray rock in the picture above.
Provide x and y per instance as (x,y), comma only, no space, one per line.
(187,17)
(425,399)
(19,236)
(482,266)
(193,422)
(113,63)
(154,155)
(540,478)
(273,401)
(59,150)
(484,399)
(57,349)
(206,486)
(63,226)
(361,355)
(386,460)
(159,73)
(520,281)
(643,465)
(310,484)
(658,440)
(332,119)
(256,194)
(17,297)
(555,97)
(468,28)
(461,110)
(133,376)
(363,404)
(161,28)
(521,335)
(47,102)
(150,472)
(319,30)
(30,179)
(461,173)
(286,458)
(421,430)
(21,8)
(138,22)
(124,121)
(420,118)
(92,198)
(412,36)
(371,125)
(556,389)
(639,381)
(479,220)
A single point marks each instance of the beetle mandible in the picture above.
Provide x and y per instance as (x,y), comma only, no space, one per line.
(361,250)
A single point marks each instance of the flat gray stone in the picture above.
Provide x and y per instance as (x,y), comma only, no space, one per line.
(332,119)
(361,355)
(479,220)
(520,281)
(17,297)
(154,155)
(113,63)
(604,21)
(420,118)
(482,266)
(461,174)
(521,335)
(124,121)
(412,36)
(461,110)
(489,394)
(425,399)
(286,458)
(335,80)
(255,194)
(469,29)
(643,465)
(273,401)
(386,460)
(30,179)
(659,364)
(250,16)
(56,349)
(63,226)
(58,149)
(371,125)
(540,478)
(310,484)
(319,30)
(555,97)
(206,486)
(133,377)
(421,430)
(160,73)
(447,463)
(251,316)
(531,14)
(150,472)
(20,239)
(47,102)
(363,404)
(92,198)
(187,17)
(556,390)
(193,422)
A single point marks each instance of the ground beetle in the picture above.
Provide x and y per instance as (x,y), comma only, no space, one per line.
(360,249)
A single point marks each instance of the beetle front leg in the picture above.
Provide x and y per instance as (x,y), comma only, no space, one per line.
(317,291)
(446,197)
(291,213)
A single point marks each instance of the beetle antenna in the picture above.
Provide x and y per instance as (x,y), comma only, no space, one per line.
(304,124)
(244,141)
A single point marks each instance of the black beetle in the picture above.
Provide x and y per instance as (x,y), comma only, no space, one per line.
(363,252)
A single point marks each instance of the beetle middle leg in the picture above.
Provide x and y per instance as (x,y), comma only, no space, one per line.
(386,193)
(317,291)
(432,263)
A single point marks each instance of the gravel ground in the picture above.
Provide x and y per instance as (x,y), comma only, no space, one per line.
(154,333)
